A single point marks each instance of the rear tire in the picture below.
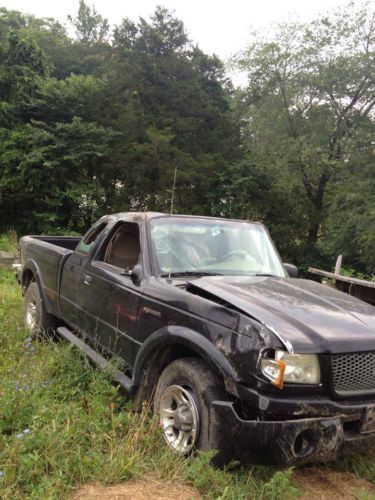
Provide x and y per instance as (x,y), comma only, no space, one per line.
(38,323)
(183,402)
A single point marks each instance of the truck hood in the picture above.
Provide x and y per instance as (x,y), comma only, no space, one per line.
(307,316)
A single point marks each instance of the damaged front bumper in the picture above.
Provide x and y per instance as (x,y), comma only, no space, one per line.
(290,441)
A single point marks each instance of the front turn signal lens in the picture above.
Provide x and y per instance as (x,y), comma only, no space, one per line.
(274,370)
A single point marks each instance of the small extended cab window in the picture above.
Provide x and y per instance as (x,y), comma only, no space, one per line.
(87,242)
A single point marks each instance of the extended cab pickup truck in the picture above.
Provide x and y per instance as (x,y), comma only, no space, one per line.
(231,349)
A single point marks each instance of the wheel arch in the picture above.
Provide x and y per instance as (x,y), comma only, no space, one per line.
(31,274)
(28,277)
(168,344)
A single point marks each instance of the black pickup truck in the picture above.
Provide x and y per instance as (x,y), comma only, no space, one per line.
(233,351)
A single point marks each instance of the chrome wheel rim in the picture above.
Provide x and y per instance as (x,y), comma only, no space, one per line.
(30,317)
(179,419)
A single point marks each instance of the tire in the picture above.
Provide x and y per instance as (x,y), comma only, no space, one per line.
(38,323)
(183,402)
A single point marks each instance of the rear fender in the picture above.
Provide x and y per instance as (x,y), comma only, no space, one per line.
(31,266)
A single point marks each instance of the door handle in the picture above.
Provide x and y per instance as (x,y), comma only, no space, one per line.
(87,279)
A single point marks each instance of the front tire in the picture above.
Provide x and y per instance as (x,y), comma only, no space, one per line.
(37,322)
(183,402)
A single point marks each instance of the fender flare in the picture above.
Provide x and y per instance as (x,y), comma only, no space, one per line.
(31,265)
(182,336)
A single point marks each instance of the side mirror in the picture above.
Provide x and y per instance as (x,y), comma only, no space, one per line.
(291,270)
(137,274)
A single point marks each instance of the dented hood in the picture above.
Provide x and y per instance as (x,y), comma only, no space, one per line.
(311,317)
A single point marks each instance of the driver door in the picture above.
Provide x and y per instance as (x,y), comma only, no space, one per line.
(109,299)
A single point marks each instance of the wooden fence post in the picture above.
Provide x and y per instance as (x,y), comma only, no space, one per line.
(338,264)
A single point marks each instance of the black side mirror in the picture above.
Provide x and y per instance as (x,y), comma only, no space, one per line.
(137,274)
(291,270)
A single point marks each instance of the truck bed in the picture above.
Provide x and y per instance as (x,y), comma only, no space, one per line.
(48,255)
(67,242)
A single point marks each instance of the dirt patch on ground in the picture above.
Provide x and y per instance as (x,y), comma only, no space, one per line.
(141,489)
(321,483)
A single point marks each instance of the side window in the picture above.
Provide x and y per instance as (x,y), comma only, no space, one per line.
(87,242)
(124,247)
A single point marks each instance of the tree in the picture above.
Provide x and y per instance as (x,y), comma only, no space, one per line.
(177,98)
(349,226)
(105,124)
(22,63)
(311,89)
(91,27)
(52,176)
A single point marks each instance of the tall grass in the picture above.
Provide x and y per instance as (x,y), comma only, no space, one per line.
(9,241)
(63,423)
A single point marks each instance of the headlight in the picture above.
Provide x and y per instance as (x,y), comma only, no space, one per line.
(300,368)
(294,368)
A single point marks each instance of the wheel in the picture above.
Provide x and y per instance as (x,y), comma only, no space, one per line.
(183,402)
(37,321)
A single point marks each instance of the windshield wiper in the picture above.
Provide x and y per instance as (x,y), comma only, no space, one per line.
(189,273)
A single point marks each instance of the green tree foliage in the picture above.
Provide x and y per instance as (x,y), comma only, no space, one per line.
(309,101)
(176,108)
(99,123)
(349,228)
(21,64)
(91,27)
(52,174)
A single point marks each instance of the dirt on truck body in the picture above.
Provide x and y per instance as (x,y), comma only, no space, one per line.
(234,352)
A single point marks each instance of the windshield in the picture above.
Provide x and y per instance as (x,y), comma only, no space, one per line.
(203,246)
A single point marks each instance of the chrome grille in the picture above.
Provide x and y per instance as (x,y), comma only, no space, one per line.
(353,373)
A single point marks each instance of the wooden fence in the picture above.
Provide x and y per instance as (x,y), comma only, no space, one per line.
(362,289)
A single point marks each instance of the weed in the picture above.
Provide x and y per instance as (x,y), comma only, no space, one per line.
(280,486)
(9,241)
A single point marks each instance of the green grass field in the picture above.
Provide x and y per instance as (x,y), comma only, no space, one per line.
(63,424)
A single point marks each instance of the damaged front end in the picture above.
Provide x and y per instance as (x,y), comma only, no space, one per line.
(288,429)
(286,404)
(282,442)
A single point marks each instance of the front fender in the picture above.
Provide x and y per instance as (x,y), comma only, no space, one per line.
(179,335)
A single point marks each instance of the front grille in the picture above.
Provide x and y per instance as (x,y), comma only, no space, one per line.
(353,373)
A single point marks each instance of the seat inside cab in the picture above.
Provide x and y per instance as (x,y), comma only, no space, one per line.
(124,247)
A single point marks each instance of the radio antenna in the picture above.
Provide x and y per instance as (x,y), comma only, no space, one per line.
(173,189)
(171,212)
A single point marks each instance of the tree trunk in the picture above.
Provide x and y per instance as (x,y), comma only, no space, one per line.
(316,218)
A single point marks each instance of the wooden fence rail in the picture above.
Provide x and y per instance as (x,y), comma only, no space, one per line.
(362,289)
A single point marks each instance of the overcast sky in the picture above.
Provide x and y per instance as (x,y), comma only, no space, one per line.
(218,26)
